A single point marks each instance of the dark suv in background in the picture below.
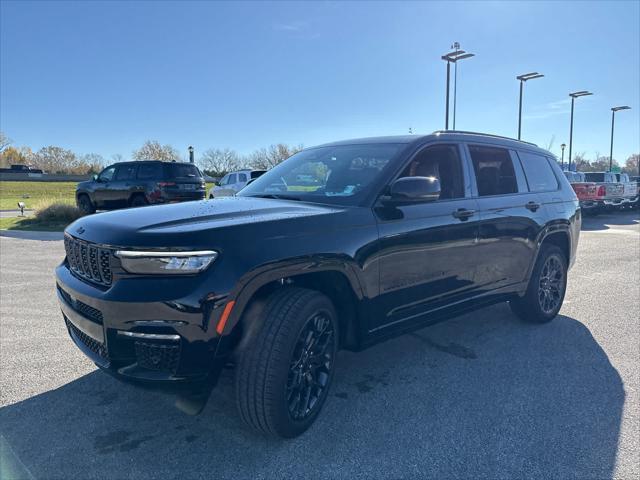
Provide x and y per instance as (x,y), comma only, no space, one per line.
(134,184)
(340,246)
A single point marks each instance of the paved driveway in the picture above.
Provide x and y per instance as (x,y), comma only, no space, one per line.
(481,396)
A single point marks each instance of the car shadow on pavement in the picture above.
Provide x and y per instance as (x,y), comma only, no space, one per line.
(608,220)
(481,396)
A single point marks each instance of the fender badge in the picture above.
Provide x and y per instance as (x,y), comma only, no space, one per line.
(80,230)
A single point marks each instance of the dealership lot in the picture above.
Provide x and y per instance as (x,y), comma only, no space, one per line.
(481,396)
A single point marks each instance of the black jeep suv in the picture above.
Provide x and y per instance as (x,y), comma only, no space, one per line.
(397,233)
(134,184)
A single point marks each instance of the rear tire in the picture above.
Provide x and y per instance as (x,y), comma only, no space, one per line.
(85,204)
(138,201)
(285,372)
(547,286)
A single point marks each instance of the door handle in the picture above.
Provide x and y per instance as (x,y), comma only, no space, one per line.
(463,214)
(533,206)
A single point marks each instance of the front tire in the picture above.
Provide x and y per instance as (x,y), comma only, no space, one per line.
(85,205)
(284,374)
(547,286)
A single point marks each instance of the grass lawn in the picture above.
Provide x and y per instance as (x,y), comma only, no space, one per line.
(26,223)
(13,192)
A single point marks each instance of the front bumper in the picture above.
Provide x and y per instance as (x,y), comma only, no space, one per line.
(151,331)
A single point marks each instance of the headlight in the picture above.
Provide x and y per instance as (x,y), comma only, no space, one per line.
(165,263)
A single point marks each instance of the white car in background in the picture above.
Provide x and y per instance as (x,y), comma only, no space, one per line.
(233,182)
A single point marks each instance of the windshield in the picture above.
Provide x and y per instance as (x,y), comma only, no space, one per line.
(338,174)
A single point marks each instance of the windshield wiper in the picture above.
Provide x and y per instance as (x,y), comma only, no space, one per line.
(275,196)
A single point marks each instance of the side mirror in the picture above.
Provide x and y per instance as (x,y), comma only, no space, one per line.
(408,190)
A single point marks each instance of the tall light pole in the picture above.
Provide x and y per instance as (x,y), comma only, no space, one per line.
(574,95)
(452,57)
(524,78)
(613,118)
(190,149)
(562,147)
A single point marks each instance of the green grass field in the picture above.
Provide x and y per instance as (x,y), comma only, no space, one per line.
(31,193)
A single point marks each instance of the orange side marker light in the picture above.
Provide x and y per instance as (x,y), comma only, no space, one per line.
(225,316)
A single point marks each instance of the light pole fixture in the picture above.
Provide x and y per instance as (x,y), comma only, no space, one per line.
(452,57)
(574,95)
(562,147)
(613,117)
(524,78)
(190,154)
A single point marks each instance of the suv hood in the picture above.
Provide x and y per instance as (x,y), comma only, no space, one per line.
(193,224)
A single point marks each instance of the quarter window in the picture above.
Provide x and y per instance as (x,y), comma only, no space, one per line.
(443,163)
(149,171)
(539,175)
(494,171)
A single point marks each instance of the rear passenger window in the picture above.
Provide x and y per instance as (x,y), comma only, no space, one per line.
(149,171)
(494,171)
(540,176)
(126,172)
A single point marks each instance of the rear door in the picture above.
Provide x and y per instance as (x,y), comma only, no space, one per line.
(510,217)
(427,250)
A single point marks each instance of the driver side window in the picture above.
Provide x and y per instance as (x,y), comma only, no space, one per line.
(107,174)
(443,163)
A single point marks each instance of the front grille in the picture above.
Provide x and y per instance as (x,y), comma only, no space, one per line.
(155,356)
(82,308)
(88,260)
(95,346)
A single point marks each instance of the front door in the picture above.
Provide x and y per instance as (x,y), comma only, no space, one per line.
(427,250)
(102,187)
(123,185)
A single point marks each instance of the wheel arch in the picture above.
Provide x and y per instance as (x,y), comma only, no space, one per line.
(557,233)
(338,282)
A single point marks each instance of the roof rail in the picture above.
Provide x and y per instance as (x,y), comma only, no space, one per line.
(484,135)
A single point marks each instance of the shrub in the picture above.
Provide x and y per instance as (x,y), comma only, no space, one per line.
(56,212)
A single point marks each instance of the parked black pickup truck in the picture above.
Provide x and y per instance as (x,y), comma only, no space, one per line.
(397,233)
(134,184)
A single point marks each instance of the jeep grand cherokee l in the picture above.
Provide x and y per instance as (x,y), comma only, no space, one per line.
(401,232)
(134,184)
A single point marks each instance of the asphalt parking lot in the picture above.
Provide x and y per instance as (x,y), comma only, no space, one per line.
(481,396)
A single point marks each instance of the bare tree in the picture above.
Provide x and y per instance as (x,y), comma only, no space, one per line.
(218,162)
(4,141)
(15,156)
(93,162)
(117,157)
(266,158)
(152,150)
(56,160)
(632,165)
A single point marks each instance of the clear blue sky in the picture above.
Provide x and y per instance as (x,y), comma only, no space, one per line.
(104,76)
